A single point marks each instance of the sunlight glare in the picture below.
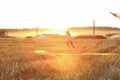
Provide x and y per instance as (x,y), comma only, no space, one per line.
(65,62)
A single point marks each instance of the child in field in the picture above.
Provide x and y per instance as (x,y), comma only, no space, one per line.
(70,40)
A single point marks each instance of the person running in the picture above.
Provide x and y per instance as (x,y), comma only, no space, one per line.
(69,40)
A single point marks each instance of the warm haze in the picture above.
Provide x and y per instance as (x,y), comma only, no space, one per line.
(80,52)
(58,14)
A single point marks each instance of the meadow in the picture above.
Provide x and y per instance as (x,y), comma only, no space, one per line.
(18,61)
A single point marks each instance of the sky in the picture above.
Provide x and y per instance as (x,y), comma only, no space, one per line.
(58,14)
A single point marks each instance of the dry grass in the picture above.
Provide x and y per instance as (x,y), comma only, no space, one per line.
(18,60)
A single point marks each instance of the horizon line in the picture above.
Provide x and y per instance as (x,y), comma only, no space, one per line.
(65,28)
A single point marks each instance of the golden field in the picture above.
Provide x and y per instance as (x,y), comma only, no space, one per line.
(50,58)
(18,61)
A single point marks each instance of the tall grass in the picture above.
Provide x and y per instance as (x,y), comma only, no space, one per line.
(18,60)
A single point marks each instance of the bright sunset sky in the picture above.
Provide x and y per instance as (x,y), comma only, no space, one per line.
(57,13)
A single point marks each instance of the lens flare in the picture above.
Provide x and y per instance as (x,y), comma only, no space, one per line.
(65,62)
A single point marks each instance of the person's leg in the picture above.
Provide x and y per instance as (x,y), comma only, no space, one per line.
(72,44)
(67,44)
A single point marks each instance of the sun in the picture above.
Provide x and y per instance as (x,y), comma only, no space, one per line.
(54,31)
